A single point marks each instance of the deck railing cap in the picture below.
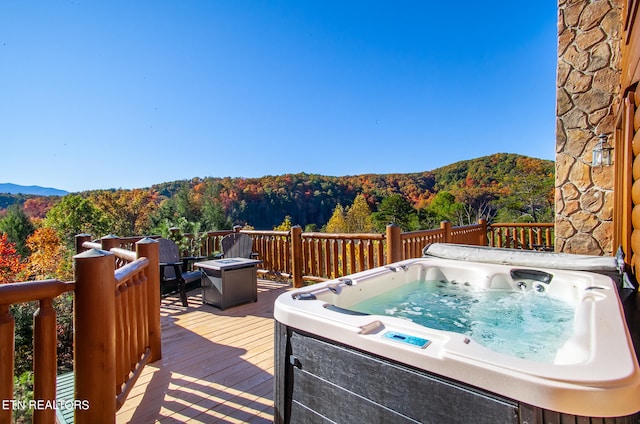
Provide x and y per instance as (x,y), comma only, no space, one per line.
(146,240)
(92,253)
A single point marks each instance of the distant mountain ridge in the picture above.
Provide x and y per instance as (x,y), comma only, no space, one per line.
(35,190)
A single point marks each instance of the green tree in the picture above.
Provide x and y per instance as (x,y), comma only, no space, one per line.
(200,204)
(531,199)
(75,215)
(397,210)
(17,226)
(358,217)
(443,207)
(214,216)
(337,223)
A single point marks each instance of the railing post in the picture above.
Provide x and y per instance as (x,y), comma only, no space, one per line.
(44,359)
(394,244)
(446,227)
(95,337)
(148,248)
(7,341)
(237,228)
(296,255)
(483,232)
(175,233)
(81,238)
(109,242)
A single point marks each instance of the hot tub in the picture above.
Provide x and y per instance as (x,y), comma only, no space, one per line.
(335,361)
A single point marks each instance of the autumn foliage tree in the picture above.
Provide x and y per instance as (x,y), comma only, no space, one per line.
(36,208)
(358,216)
(11,264)
(49,256)
(128,212)
(284,225)
(337,223)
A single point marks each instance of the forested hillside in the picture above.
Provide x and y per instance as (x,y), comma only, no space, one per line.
(506,186)
(310,199)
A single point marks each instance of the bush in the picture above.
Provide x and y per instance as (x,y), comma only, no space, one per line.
(23,316)
(23,392)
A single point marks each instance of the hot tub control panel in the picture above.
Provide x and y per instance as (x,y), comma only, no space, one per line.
(405,338)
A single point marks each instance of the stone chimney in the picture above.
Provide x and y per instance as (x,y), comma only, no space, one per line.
(588,84)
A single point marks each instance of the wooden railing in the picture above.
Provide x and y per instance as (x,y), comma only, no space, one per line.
(320,256)
(116,329)
(134,315)
(274,250)
(327,255)
(414,242)
(528,236)
(44,344)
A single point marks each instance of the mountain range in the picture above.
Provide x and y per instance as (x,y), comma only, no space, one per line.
(10,188)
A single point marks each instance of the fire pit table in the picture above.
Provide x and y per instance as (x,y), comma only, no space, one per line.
(229,282)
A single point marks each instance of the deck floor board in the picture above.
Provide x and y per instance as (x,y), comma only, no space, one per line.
(216,366)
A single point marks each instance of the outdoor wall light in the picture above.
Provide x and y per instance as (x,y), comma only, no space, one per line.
(602,152)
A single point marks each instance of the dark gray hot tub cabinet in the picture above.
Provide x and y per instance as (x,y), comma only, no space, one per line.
(320,381)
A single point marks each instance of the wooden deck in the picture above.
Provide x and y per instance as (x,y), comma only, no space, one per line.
(216,366)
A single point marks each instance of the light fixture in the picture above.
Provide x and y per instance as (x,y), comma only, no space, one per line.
(602,152)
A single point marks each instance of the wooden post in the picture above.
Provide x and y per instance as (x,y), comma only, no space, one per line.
(394,244)
(95,337)
(175,233)
(483,238)
(446,227)
(81,238)
(109,242)
(44,360)
(296,255)
(149,248)
(7,341)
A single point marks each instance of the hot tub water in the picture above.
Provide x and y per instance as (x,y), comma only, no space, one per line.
(528,324)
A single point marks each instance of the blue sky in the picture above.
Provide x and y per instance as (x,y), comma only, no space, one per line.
(126,94)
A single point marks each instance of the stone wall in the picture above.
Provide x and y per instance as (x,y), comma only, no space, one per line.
(588,84)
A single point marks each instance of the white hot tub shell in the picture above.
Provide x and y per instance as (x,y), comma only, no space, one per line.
(595,373)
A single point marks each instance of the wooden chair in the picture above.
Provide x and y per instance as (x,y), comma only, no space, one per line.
(237,245)
(174,271)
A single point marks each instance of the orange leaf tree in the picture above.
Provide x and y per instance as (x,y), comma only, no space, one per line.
(48,255)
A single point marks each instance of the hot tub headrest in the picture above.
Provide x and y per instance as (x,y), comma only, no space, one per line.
(495,255)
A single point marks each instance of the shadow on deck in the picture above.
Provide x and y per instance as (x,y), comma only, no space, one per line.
(216,366)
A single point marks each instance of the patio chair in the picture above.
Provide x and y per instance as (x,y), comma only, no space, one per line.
(174,271)
(237,245)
